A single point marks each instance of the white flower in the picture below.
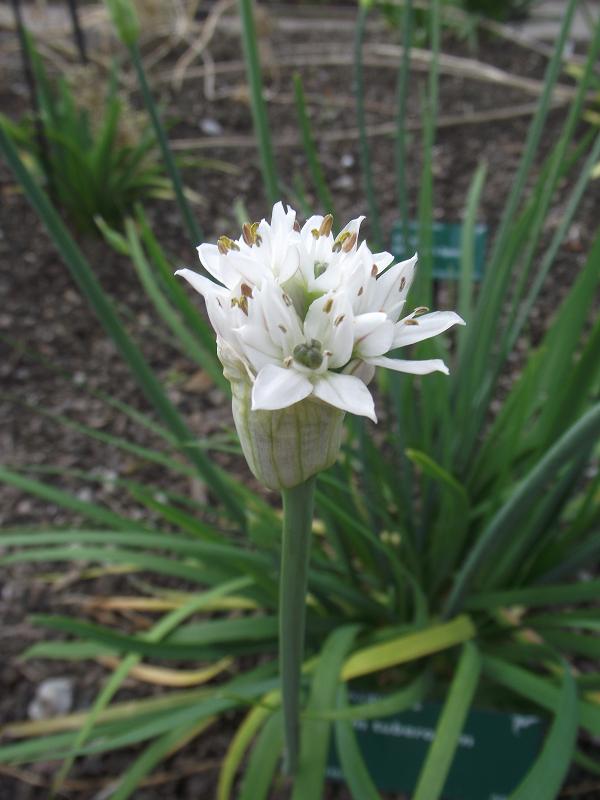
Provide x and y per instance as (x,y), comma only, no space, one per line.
(301,314)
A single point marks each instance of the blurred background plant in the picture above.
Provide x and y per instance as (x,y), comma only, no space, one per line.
(96,155)
(441,539)
(461,17)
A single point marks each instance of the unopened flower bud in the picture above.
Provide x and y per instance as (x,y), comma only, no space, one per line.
(285,447)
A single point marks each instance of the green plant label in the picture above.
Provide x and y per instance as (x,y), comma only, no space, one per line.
(446,247)
(495,750)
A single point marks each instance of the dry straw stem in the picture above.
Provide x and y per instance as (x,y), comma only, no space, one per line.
(183,769)
(349,134)
(199,45)
(165,676)
(471,68)
(382,56)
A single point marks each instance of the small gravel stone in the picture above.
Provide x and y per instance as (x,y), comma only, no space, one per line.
(53,696)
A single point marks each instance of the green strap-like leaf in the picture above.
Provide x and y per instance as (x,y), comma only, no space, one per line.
(354,768)
(263,761)
(390,704)
(159,749)
(259,110)
(409,647)
(90,287)
(315,736)
(544,779)
(452,719)
(517,506)
(114,555)
(310,148)
(542,691)
(166,625)
(536,596)
(91,511)
(200,640)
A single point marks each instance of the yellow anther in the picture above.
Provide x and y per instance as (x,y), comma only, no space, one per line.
(350,242)
(225,244)
(247,234)
(326,225)
(341,240)
(241,303)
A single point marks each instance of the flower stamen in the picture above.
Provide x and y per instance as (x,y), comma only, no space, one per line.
(241,303)
(225,244)
(326,225)
(350,242)
(250,234)
(341,240)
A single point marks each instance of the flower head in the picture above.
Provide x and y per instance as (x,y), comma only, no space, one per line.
(301,313)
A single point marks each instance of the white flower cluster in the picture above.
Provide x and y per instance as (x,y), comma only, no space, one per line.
(302,313)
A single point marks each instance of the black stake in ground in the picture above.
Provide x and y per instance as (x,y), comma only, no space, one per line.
(40,134)
(78,34)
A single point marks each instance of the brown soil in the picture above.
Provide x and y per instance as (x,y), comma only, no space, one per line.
(54,353)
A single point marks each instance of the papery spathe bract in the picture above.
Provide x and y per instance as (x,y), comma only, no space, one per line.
(303,316)
(286,446)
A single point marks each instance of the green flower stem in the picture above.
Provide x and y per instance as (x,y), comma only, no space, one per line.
(298,504)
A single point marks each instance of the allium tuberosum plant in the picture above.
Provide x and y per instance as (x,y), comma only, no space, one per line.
(452,550)
(302,319)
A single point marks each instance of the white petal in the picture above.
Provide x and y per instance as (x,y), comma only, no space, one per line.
(289,263)
(269,310)
(333,328)
(310,224)
(282,218)
(210,258)
(276,387)
(427,326)
(345,392)
(217,302)
(201,284)
(412,367)
(352,227)
(373,334)
(391,288)
(232,266)
(362,370)
(258,347)
(382,260)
